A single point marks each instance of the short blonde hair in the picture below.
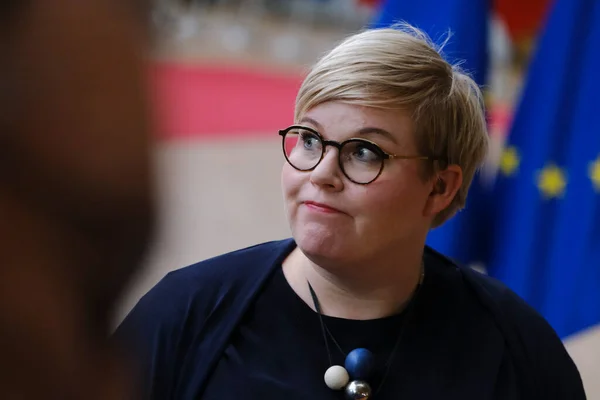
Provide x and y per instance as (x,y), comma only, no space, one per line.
(401,68)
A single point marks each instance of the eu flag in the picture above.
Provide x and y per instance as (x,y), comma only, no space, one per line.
(462,236)
(547,215)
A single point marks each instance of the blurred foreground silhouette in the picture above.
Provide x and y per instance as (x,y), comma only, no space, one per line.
(75,194)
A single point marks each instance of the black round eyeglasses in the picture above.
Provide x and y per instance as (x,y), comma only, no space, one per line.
(360,160)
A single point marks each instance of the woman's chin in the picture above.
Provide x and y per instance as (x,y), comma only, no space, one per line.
(324,246)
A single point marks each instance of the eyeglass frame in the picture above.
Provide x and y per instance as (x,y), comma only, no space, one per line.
(339,145)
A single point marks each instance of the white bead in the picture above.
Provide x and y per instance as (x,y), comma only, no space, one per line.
(336,377)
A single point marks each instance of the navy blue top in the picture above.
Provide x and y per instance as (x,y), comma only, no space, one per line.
(232,328)
(278,351)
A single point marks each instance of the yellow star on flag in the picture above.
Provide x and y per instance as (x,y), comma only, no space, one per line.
(509,161)
(552,181)
(595,173)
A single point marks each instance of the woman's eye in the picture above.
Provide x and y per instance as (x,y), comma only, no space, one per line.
(366,154)
(309,140)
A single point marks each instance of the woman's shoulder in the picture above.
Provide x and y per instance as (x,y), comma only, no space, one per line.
(225,272)
(245,261)
(507,307)
(190,311)
(198,289)
(492,293)
(536,350)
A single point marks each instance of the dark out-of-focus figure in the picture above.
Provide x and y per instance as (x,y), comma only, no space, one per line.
(75,190)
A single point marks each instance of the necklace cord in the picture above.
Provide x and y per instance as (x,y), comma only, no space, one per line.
(318,309)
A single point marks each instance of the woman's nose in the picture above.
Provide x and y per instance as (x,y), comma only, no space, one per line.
(327,173)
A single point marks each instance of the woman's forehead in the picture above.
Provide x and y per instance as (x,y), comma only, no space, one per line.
(338,119)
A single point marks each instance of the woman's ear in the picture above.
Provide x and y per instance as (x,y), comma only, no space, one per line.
(445,186)
(440,186)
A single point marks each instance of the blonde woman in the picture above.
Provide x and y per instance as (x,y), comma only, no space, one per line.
(386,139)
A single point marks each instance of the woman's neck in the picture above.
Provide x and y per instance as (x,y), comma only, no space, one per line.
(358,292)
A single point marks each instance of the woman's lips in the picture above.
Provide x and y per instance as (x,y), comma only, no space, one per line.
(320,207)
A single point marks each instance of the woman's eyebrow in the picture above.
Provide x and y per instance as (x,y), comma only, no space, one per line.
(371,129)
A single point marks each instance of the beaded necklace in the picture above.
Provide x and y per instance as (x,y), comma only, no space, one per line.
(359,364)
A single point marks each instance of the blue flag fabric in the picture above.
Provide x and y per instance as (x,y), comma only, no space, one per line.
(547,214)
(468,21)
(462,237)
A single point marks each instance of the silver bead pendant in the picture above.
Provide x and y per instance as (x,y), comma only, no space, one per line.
(358,390)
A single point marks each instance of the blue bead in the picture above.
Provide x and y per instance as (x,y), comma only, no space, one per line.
(360,363)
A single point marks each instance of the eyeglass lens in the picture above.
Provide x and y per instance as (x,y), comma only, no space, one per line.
(360,160)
